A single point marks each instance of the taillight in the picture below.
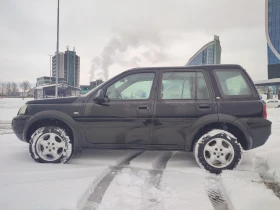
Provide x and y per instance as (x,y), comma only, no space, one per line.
(264,111)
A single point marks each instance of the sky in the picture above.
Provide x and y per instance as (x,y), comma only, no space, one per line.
(123,34)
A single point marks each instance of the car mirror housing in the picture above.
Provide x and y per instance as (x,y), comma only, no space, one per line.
(99,96)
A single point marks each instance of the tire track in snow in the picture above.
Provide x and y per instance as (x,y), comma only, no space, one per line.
(151,197)
(158,168)
(156,176)
(215,193)
(96,196)
(150,176)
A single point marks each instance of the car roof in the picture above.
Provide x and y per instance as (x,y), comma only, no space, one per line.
(205,67)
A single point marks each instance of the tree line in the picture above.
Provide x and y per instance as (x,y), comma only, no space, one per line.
(14,89)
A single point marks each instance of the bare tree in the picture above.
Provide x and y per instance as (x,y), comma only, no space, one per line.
(2,88)
(14,87)
(8,88)
(25,86)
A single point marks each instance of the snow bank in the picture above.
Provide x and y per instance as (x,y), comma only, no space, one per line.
(244,192)
(267,157)
(273,163)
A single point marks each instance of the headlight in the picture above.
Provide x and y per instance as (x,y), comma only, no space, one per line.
(22,109)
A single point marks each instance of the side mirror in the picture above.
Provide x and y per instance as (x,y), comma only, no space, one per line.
(99,96)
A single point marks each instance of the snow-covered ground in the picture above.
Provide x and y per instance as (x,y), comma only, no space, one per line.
(132,180)
(8,109)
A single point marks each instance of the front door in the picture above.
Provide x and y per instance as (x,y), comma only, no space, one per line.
(125,120)
(184,97)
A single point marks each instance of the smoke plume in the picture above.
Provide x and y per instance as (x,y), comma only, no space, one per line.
(119,45)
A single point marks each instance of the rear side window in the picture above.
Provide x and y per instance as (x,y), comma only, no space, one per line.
(184,85)
(232,83)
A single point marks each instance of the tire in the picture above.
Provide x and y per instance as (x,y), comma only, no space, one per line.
(218,150)
(50,145)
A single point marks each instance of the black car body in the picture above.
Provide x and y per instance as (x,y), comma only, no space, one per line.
(172,116)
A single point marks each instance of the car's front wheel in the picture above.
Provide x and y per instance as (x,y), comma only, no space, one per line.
(218,150)
(50,144)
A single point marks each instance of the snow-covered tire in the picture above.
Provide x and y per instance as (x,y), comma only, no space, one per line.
(218,150)
(50,144)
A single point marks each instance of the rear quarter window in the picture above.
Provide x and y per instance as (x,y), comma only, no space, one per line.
(232,83)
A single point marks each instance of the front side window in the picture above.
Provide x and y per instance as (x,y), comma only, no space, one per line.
(132,87)
(232,83)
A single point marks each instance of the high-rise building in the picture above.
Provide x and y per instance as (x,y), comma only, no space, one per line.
(208,54)
(69,67)
(60,64)
(273,36)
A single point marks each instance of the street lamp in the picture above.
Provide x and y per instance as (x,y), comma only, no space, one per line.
(57,54)
(50,68)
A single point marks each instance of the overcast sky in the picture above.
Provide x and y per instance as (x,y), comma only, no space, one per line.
(121,34)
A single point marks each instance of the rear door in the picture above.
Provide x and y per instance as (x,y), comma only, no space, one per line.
(236,94)
(183,97)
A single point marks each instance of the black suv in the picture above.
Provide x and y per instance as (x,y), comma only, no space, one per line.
(213,110)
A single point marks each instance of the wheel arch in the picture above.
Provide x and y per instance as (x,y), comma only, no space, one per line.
(225,122)
(51,117)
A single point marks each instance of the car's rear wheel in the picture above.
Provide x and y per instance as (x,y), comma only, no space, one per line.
(218,150)
(50,144)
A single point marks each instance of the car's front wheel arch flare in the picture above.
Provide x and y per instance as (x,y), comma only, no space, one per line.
(49,122)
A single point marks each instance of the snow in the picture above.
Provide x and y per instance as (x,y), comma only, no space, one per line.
(25,184)
(248,194)
(132,190)
(8,109)
(102,157)
(147,160)
(145,183)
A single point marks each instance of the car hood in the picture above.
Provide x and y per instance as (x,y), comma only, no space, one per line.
(66,100)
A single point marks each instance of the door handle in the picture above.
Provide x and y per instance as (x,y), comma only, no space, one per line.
(143,107)
(204,106)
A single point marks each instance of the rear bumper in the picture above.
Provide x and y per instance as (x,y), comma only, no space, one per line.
(260,130)
(261,133)
(18,124)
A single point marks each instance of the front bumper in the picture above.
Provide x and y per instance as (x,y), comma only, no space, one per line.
(18,124)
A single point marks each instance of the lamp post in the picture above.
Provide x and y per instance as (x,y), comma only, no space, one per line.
(50,69)
(57,54)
